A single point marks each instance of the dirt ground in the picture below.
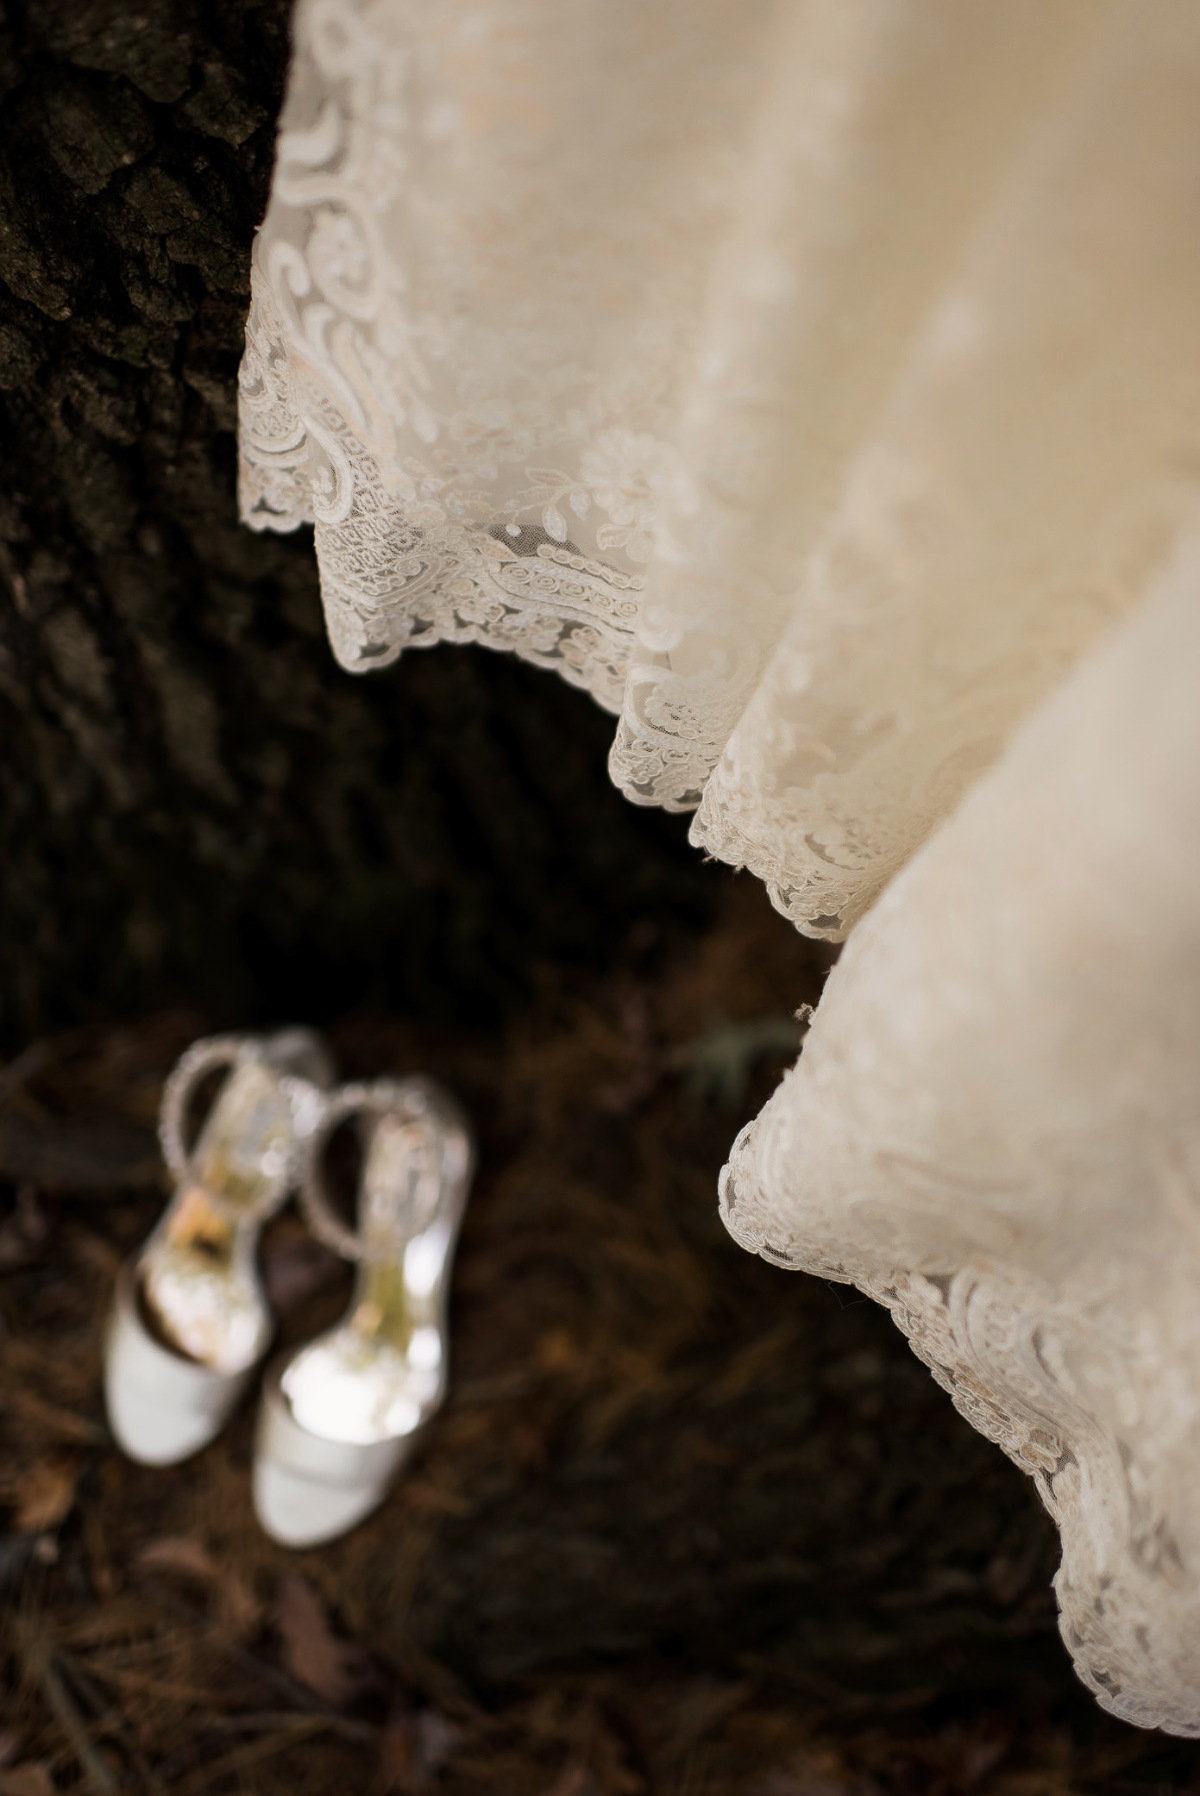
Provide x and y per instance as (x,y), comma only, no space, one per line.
(687,1526)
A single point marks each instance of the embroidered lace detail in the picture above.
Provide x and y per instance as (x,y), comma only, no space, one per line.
(813,385)
(453,497)
(1000,1347)
(557,363)
(390,582)
(1015,1174)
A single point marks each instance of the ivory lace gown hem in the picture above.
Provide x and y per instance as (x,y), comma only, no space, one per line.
(815,385)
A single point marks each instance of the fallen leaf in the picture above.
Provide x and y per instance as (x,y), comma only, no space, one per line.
(23,1233)
(47,1493)
(337,1669)
(576,1780)
(559,1351)
(180,1554)
(32,1779)
(238,1606)
(413,1746)
(803,1778)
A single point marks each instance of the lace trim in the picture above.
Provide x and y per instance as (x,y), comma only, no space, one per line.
(391,582)
(998,1345)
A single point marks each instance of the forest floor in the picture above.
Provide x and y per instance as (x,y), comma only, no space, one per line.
(687,1526)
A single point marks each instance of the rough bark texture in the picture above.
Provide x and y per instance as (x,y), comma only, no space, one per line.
(193,799)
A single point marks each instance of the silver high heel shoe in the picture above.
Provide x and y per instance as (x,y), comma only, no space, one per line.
(190,1319)
(341,1416)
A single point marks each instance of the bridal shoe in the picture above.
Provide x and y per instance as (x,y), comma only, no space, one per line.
(339,1418)
(190,1319)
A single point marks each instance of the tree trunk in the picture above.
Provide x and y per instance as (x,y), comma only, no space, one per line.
(193,797)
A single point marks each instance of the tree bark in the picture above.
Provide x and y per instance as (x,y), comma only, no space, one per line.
(193,798)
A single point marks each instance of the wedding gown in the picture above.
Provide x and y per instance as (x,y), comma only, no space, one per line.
(817,385)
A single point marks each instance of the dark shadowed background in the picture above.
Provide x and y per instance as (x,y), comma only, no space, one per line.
(688,1525)
(192,797)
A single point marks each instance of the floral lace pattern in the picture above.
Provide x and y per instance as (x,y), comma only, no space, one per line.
(422,440)
(814,386)
(390,582)
(943,1146)
(719,444)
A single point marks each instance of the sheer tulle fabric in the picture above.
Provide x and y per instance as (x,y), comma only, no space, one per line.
(813,384)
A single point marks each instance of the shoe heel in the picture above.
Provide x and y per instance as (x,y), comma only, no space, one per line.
(341,1416)
(190,1321)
